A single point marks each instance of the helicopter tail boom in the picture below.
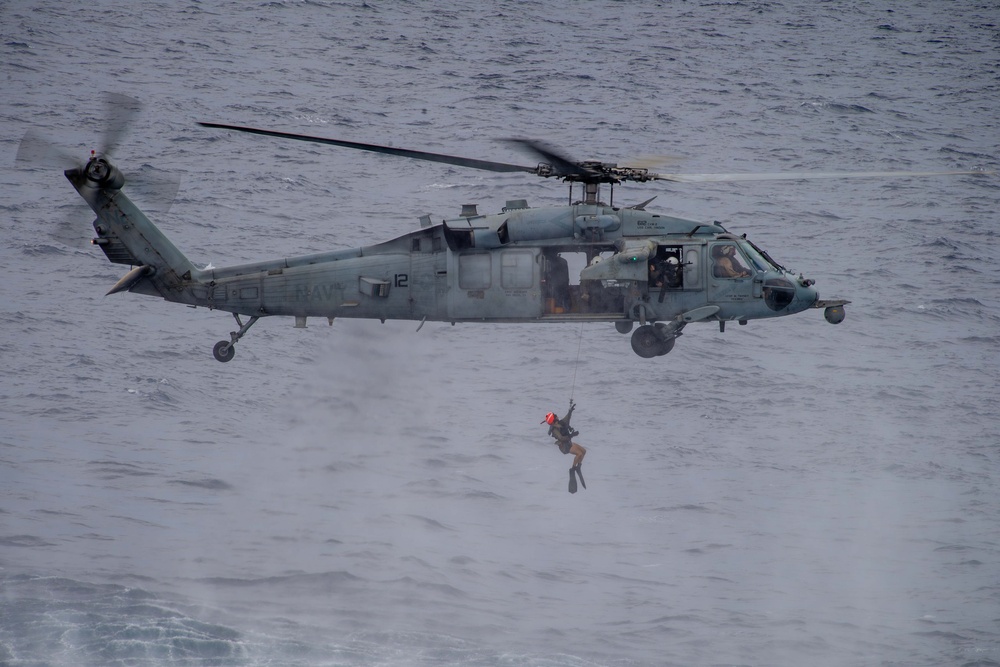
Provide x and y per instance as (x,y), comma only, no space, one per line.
(127,236)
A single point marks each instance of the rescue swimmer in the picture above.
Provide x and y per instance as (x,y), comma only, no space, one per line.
(564,434)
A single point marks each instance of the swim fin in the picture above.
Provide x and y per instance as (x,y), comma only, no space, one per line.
(572,481)
(579,473)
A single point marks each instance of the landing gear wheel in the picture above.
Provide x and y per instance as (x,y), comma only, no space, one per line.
(623,327)
(224,350)
(645,342)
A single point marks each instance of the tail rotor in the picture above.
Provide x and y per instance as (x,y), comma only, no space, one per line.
(154,188)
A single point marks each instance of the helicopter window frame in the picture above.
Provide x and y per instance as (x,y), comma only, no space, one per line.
(517,269)
(751,251)
(660,275)
(767,258)
(692,267)
(475,271)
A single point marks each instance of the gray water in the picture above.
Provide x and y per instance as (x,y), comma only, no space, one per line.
(785,493)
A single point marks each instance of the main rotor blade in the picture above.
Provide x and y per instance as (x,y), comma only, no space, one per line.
(796,175)
(375,148)
(152,188)
(562,165)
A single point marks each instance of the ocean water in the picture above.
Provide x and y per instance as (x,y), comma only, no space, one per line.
(784,493)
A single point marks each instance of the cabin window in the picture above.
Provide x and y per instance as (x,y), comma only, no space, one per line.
(665,268)
(517,269)
(475,271)
(692,267)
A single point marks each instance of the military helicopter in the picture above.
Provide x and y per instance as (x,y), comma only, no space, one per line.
(630,265)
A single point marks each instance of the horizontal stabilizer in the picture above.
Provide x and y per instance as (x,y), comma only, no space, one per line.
(130,279)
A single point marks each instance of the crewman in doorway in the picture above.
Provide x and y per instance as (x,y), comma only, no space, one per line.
(564,434)
(559,277)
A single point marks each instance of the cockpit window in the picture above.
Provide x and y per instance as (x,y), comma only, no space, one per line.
(759,258)
(727,262)
(756,258)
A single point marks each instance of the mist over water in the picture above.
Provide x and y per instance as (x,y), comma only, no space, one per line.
(784,493)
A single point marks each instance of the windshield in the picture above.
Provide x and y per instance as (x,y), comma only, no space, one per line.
(760,259)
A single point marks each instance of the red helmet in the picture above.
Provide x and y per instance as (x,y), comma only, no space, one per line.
(549,419)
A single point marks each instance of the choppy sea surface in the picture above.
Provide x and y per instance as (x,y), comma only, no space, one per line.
(785,493)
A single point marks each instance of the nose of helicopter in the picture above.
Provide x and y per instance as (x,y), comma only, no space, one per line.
(805,295)
(786,294)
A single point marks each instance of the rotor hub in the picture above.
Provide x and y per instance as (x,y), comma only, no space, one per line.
(104,174)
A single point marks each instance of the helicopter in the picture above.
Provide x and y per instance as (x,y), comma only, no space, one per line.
(631,266)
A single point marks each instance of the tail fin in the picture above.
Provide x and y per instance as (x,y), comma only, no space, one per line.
(126,235)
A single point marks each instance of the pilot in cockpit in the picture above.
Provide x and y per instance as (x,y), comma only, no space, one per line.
(727,263)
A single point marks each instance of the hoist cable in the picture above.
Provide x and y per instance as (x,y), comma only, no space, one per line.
(576,366)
